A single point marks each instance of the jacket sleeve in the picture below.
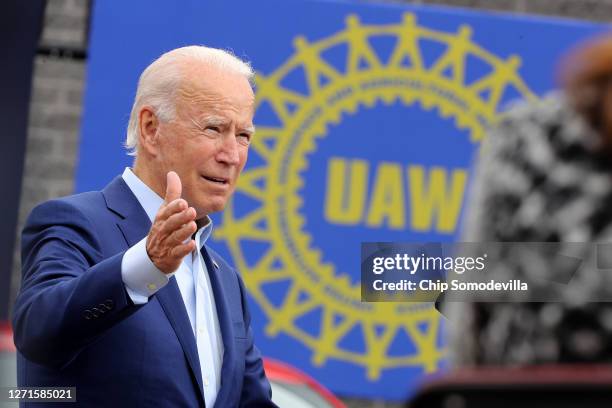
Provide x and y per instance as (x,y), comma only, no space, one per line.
(256,390)
(69,294)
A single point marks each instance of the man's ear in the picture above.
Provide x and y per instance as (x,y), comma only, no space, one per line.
(149,126)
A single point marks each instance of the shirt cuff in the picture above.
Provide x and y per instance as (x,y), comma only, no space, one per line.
(141,277)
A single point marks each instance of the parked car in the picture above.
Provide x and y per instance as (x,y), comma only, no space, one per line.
(8,367)
(294,389)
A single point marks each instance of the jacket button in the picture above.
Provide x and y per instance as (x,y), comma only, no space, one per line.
(87,315)
(94,313)
(98,311)
(109,304)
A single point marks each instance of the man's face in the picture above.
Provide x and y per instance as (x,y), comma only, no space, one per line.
(207,142)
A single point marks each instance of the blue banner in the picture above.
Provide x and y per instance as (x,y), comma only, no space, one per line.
(368,119)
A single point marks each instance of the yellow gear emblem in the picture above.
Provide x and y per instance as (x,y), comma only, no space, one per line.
(290,254)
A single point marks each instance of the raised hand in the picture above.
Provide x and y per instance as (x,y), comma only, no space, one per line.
(168,240)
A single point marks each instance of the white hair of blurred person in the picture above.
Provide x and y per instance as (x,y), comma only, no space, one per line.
(159,82)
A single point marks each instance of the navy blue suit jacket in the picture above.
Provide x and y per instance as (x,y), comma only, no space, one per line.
(75,325)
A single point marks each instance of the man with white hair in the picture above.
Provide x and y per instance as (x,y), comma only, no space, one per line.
(120,296)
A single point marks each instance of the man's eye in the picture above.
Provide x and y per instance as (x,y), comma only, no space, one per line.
(213,128)
(244,138)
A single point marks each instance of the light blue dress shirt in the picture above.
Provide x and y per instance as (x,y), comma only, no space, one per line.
(142,279)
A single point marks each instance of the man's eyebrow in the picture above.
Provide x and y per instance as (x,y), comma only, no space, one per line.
(249,129)
(213,120)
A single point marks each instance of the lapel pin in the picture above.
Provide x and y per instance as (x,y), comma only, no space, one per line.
(215,264)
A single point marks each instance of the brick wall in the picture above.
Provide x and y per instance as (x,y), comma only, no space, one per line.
(55,113)
(56,105)
(594,10)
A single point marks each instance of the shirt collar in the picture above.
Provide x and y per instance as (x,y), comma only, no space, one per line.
(150,202)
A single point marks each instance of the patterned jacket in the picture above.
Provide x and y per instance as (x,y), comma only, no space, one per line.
(541,177)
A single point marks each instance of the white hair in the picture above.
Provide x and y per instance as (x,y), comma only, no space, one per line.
(159,82)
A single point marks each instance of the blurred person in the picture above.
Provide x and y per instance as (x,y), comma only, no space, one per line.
(545,175)
(121,297)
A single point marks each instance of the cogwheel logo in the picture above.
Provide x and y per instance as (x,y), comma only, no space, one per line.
(269,228)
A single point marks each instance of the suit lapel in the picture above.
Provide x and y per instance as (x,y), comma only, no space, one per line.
(134,222)
(171,301)
(225,324)
(134,225)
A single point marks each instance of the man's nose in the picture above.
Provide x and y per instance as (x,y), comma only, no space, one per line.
(228,150)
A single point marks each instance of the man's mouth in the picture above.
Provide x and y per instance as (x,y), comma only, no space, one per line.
(218,180)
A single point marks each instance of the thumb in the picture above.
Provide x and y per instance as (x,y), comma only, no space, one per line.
(173,187)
